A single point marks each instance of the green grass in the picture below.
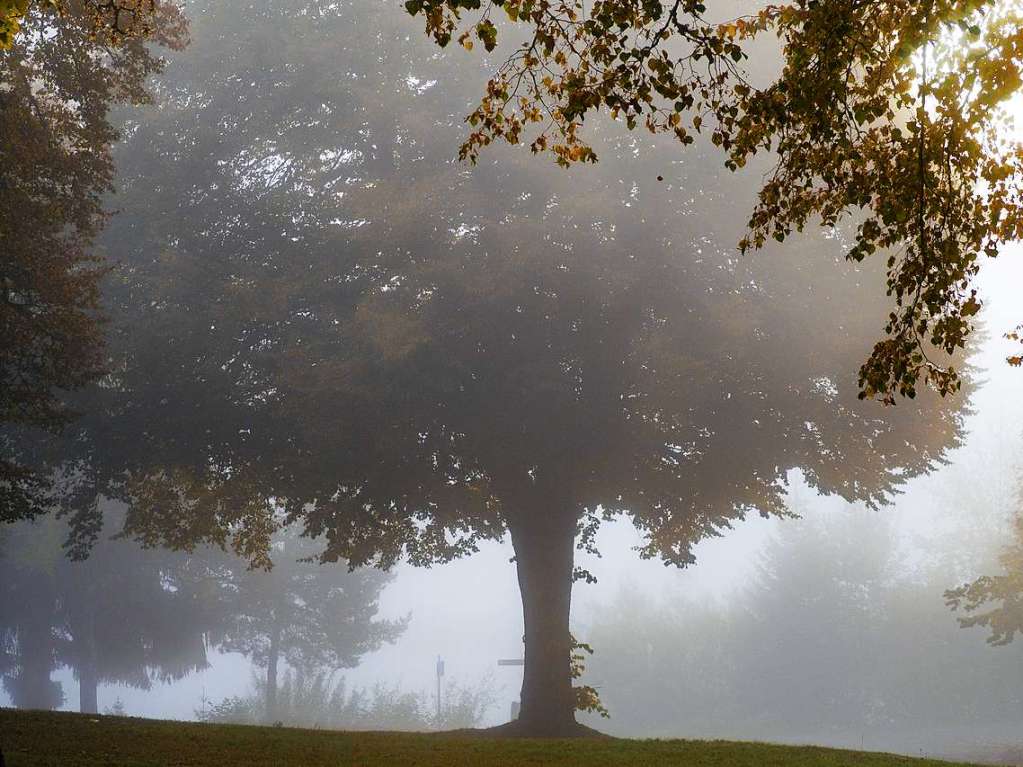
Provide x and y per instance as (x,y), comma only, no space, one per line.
(35,738)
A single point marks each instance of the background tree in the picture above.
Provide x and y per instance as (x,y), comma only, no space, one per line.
(308,616)
(844,613)
(893,111)
(132,616)
(28,620)
(410,357)
(821,594)
(995,601)
(124,615)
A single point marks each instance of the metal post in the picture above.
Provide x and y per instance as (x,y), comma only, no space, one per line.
(516,705)
(440,673)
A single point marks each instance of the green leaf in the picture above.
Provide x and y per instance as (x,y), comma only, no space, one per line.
(487,33)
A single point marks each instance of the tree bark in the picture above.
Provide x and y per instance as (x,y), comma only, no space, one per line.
(272,660)
(545,556)
(87,684)
(34,688)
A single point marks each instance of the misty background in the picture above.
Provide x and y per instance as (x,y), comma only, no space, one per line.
(945,528)
(831,628)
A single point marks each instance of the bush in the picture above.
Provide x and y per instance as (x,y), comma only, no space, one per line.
(314,699)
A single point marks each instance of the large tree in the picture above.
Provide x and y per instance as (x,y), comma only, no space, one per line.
(58,83)
(893,111)
(408,357)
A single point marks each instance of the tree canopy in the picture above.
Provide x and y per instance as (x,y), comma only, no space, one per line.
(59,80)
(892,114)
(334,325)
(112,20)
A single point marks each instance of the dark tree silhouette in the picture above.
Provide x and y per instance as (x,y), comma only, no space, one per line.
(58,83)
(28,618)
(124,615)
(408,357)
(132,616)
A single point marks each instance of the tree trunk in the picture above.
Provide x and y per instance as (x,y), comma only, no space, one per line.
(272,659)
(85,651)
(34,689)
(87,700)
(545,555)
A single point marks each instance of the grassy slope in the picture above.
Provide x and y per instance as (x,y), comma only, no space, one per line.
(30,739)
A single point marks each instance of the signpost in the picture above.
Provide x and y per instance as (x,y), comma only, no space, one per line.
(515,705)
(440,673)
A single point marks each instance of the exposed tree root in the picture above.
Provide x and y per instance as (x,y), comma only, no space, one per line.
(522,729)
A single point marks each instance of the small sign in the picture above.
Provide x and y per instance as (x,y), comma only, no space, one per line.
(511,662)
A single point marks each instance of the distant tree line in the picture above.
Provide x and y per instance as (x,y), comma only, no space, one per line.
(996,601)
(133,616)
(836,640)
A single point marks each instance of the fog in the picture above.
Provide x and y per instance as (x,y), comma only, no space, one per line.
(301,268)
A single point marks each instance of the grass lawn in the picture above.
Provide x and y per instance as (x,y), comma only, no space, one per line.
(36,738)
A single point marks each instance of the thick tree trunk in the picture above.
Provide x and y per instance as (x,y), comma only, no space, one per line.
(545,555)
(272,660)
(87,684)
